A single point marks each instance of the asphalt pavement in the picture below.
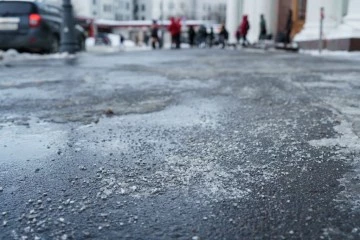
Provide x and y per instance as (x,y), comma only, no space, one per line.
(180,144)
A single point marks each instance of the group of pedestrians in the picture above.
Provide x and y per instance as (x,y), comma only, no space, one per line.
(207,38)
(174,29)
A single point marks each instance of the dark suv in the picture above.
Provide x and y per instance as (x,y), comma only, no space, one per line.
(33,26)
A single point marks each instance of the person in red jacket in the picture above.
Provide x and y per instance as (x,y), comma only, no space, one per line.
(244,28)
(175,31)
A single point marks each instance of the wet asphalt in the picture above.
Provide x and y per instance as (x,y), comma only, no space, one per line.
(190,144)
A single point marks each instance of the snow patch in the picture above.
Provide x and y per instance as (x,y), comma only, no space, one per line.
(347,138)
(13,55)
(207,179)
(350,143)
(342,85)
(336,54)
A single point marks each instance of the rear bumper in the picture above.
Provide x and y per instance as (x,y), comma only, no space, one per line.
(32,40)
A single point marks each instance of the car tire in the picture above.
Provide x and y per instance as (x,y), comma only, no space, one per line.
(82,45)
(55,45)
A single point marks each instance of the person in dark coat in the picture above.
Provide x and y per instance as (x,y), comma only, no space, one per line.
(211,37)
(223,36)
(154,35)
(237,35)
(191,35)
(288,27)
(202,36)
(263,30)
(244,29)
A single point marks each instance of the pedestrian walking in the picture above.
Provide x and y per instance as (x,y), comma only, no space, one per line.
(263,30)
(175,31)
(211,37)
(288,27)
(223,36)
(122,40)
(191,35)
(238,36)
(202,36)
(155,35)
(244,29)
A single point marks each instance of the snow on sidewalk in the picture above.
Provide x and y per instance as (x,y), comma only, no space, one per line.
(13,55)
(333,54)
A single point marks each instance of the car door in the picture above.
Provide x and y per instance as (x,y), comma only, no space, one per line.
(52,17)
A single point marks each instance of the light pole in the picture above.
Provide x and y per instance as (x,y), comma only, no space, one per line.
(162,24)
(68,41)
(322,16)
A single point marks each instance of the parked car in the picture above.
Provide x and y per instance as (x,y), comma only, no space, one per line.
(33,26)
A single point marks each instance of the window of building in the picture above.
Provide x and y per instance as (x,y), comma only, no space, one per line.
(143,7)
(127,6)
(301,9)
(119,17)
(107,8)
(171,5)
(182,5)
(142,18)
(94,2)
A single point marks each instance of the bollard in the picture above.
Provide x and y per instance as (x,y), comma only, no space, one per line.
(322,16)
(68,41)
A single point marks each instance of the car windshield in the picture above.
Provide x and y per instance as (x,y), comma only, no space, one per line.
(15,8)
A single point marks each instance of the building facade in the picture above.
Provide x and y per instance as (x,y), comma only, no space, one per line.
(341,22)
(126,10)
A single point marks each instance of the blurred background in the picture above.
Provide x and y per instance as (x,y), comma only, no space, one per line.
(306,24)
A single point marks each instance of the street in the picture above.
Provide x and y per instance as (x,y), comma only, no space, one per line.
(180,144)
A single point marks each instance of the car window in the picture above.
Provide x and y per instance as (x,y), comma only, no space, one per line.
(52,10)
(16,8)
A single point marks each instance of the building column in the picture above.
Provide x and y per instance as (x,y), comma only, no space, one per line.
(350,28)
(311,31)
(254,8)
(233,12)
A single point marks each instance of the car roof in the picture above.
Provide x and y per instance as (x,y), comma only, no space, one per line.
(48,7)
(40,2)
(33,1)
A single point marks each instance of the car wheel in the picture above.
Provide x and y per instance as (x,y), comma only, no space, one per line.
(82,45)
(55,45)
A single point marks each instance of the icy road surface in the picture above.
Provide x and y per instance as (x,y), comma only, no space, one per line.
(190,144)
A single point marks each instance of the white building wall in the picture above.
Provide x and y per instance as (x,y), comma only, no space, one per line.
(349,27)
(234,12)
(210,10)
(83,8)
(333,12)
(123,10)
(254,8)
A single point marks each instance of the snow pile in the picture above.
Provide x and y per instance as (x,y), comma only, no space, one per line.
(90,42)
(115,45)
(13,55)
(114,39)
